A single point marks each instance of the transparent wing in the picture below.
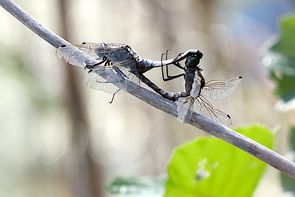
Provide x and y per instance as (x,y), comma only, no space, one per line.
(121,62)
(119,54)
(89,49)
(217,90)
(184,106)
(72,55)
(196,87)
(93,80)
(205,108)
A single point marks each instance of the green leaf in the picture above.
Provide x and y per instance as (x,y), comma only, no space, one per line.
(286,42)
(287,182)
(132,187)
(211,167)
(285,86)
(280,60)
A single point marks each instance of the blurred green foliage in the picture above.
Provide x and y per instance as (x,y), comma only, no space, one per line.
(287,182)
(280,60)
(212,167)
(206,166)
(16,68)
(132,186)
(286,42)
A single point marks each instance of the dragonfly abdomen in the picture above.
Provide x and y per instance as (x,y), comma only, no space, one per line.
(169,95)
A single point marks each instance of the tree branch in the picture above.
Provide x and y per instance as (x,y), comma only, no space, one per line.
(213,128)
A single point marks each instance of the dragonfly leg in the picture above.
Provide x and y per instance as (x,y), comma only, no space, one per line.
(89,67)
(113,97)
(169,77)
(104,60)
(108,62)
(178,57)
(182,56)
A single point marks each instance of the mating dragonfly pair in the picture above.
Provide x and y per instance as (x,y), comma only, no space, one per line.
(121,59)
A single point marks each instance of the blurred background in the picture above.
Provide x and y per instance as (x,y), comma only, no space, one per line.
(61,139)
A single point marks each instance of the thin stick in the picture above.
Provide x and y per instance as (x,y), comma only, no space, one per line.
(213,128)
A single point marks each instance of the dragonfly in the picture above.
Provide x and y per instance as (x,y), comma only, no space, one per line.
(123,61)
(198,92)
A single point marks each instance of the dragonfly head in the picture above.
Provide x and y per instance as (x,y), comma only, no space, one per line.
(193,60)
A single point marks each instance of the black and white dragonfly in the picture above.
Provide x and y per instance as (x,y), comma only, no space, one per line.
(200,96)
(198,92)
(119,58)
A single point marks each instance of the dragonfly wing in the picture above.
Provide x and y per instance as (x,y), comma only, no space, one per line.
(122,62)
(72,55)
(115,52)
(222,117)
(205,108)
(217,90)
(184,106)
(120,55)
(93,80)
(129,68)
(195,91)
(89,49)
(131,75)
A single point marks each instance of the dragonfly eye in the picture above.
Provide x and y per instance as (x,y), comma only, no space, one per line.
(192,61)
